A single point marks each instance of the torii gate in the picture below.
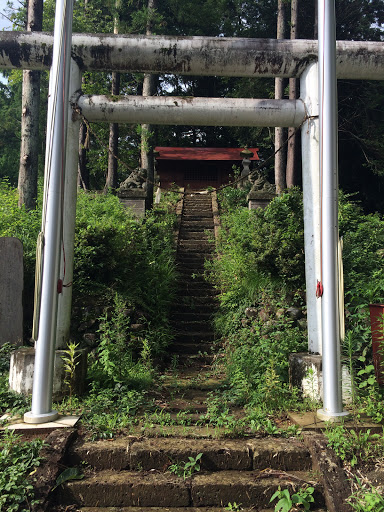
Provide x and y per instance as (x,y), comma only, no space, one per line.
(206,56)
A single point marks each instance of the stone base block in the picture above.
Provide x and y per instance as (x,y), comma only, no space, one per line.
(305,373)
(22,368)
(134,199)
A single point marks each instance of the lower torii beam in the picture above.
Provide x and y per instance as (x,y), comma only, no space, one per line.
(168,110)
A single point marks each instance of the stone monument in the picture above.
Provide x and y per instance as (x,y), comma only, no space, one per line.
(261,193)
(133,192)
(11,291)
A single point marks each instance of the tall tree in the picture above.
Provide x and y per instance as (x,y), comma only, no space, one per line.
(29,149)
(112,177)
(146,146)
(279,94)
(291,173)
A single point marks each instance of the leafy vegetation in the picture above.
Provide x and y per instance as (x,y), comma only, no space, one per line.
(17,460)
(300,500)
(186,469)
(354,446)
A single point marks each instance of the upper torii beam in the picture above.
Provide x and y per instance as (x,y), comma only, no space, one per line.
(209,56)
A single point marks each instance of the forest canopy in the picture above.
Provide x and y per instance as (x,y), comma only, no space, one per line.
(361,103)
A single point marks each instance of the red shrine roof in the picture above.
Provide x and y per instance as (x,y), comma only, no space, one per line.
(203,153)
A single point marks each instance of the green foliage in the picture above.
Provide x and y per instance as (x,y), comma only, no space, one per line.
(300,500)
(19,223)
(186,469)
(366,499)
(17,461)
(354,446)
(115,251)
(67,475)
(70,360)
(117,359)
(233,507)
(108,411)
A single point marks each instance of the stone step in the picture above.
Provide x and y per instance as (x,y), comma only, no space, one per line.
(192,326)
(196,224)
(197,243)
(196,300)
(195,308)
(186,234)
(198,248)
(151,489)
(187,360)
(165,509)
(200,291)
(218,454)
(200,215)
(188,347)
(198,212)
(181,257)
(187,316)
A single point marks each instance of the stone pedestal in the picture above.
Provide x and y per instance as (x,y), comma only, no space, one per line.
(11,291)
(22,368)
(135,199)
(306,373)
(259,199)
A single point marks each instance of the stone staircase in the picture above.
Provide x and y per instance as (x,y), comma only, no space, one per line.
(131,473)
(196,298)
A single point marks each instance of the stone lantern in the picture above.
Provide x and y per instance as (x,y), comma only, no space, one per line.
(246,155)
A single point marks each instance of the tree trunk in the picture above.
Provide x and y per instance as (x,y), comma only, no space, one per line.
(147,160)
(112,175)
(292,172)
(279,93)
(83,171)
(113,148)
(29,148)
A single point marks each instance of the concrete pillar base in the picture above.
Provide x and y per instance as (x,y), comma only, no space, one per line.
(22,368)
(305,373)
(337,417)
(33,419)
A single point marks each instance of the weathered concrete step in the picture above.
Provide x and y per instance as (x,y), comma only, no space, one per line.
(197,288)
(187,316)
(193,257)
(164,509)
(196,283)
(186,234)
(195,308)
(199,291)
(187,276)
(193,265)
(197,300)
(195,336)
(147,489)
(198,211)
(196,243)
(193,326)
(196,225)
(180,346)
(198,215)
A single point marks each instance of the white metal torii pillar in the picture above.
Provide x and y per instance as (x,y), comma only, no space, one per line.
(69,214)
(329,233)
(52,217)
(311,202)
